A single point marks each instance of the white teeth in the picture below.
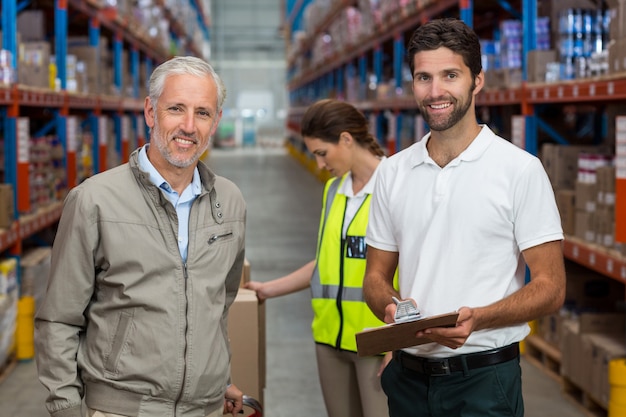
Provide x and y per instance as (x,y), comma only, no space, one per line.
(440,106)
(183,140)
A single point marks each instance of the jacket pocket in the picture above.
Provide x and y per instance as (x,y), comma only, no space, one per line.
(120,337)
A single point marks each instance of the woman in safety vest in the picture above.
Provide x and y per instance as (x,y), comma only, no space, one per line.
(338,135)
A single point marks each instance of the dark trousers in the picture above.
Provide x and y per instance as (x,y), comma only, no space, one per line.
(491,391)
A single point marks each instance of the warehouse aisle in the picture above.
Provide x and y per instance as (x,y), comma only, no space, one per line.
(283,211)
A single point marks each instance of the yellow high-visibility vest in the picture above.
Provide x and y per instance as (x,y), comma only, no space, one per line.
(337,294)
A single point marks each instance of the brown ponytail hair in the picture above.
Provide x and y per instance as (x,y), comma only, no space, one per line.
(327,119)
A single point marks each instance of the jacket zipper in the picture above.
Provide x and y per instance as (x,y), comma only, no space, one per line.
(182,386)
(214,238)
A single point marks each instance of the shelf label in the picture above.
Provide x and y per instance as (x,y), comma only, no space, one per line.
(620,147)
(559,92)
(546,93)
(518,131)
(592,258)
(141,127)
(102,130)
(575,251)
(125,128)
(592,90)
(575,91)
(609,265)
(23,139)
(72,130)
(610,88)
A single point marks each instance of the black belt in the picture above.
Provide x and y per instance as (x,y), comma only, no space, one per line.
(445,366)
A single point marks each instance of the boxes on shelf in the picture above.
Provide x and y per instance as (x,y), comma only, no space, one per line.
(581,339)
(31,25)
(549,328)
(602,349)
(588,290)
(552,9)
(537,64)
(617,55)
(33,67)
(617,24)
(503,78)
(566,202)
(561,162)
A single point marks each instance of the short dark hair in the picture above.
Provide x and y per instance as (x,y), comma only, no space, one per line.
(449,33)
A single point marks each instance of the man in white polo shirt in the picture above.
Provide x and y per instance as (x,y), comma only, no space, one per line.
(461,213)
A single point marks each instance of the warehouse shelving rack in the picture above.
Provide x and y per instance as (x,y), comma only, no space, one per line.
(326,79)
(64,109)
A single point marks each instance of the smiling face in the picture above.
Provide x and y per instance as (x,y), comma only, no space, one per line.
(183,121)
(444,88)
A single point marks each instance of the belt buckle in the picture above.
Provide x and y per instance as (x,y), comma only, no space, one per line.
(439,367)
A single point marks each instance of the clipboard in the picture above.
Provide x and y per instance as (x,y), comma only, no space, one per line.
(396,336)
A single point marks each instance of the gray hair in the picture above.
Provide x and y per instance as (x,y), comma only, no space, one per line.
(184,65)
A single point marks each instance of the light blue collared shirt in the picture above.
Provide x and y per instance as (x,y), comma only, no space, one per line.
(181,203)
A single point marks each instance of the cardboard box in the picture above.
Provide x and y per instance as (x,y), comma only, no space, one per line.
(584,226)
(617,25)
(90,58)
(606,323)
(245,274)
(33,68)
(31,25)
(561,162)
(537,62)
(246,329)
(587,290)
(566,202)
(571,349)
(7,206)
(552,8)
(577,347)
(604,349)
(586,196)
(550,329)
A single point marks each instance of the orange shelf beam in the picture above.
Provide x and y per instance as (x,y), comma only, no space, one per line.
(596,258)
(9,237)
(32,223)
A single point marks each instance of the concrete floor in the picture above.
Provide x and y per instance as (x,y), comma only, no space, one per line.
(283,213)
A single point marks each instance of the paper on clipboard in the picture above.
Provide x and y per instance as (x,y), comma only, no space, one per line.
(400,335)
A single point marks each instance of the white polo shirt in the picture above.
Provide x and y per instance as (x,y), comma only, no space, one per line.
(460,230)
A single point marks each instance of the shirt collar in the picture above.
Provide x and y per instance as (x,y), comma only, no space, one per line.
(419,153)
(157,179)
(346,185)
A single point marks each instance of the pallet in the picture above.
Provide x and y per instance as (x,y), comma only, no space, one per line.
(548,358)
(543,355)
(582,399)
(7,367)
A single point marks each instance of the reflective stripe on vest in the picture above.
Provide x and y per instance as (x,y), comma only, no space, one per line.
(336,284)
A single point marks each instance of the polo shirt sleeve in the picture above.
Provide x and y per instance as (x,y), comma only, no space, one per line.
(537,218)
(380,226)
